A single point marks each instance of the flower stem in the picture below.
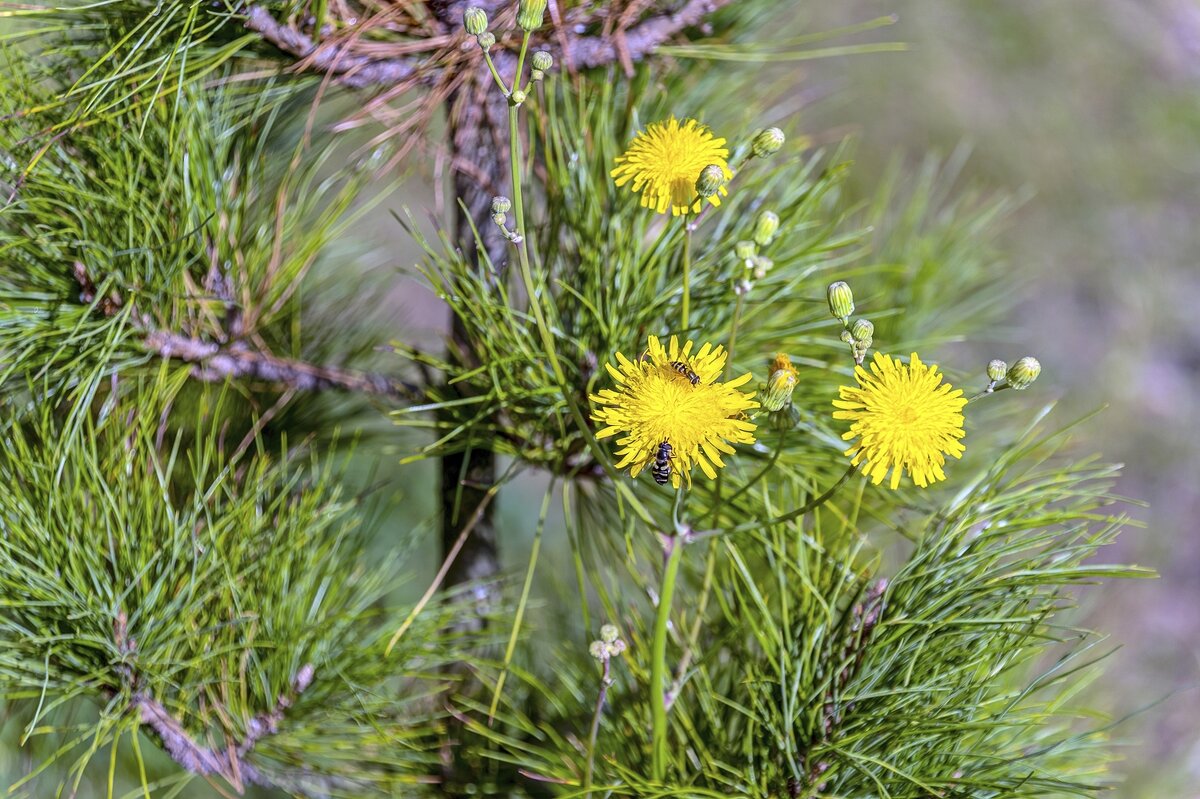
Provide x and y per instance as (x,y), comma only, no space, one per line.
(521,60)
(516,160)
(605,682)
(658,657)
(687,270)
(733,331)
(988,392)
(495,74)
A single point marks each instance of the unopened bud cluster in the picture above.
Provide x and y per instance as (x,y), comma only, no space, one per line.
(500,208)
(529,17)
(609,645)
(1019,376)
(749,251)
(540,64)
(858,334)
(475,21)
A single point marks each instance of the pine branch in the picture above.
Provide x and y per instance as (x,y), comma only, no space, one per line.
(640,40)
(215,363)
(230,764)
(356,71)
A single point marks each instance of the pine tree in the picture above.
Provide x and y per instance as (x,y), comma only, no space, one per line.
(661,318)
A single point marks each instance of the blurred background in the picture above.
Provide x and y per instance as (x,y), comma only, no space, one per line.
(1094,106)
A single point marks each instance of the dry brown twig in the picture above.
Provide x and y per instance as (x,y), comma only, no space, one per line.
(216,362)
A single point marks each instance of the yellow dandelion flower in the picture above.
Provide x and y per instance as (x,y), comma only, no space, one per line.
(905,419)
(656,400)
(664,161)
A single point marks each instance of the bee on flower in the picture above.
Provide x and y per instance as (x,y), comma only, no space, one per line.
(652,404)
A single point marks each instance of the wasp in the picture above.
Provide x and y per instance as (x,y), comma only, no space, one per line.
(662,464)
(686,371)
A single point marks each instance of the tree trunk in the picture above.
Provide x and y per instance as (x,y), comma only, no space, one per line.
(478,133)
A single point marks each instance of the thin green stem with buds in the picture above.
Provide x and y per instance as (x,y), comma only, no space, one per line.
(594,732)
(516,160)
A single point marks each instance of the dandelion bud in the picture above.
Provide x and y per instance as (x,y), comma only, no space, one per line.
(475,20)
(862,331)
(598,650)
(767,142)
(711,179)
(486,40)
(841,300)
(501,205)
(517,97)
(609,633)
(996,370)
(847,337)
(779,392)
(1024,372)
(542,61)
(745,250)
(530,14)
(780,384)
(765,227)
(762,265)
(615,648)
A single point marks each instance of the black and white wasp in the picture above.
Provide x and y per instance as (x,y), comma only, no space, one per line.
(662,464)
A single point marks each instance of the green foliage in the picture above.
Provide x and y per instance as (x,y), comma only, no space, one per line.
(192,224)
(825,637)
(814,673)
(138,563)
